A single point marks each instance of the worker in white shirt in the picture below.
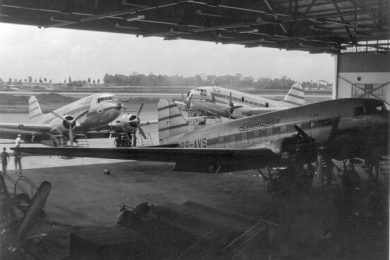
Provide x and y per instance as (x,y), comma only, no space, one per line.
(18,155)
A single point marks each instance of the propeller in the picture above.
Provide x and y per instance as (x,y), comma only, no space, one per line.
(135,121)
(69,122)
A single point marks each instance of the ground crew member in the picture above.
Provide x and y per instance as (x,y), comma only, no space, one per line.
(18,141)
(4,160)
(18,155)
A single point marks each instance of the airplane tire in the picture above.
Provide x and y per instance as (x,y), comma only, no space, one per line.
(212,168)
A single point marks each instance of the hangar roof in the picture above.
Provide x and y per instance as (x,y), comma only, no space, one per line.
(311,25)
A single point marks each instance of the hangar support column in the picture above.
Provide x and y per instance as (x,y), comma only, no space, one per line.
(363,75)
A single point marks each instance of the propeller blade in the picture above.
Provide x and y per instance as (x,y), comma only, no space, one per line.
(71,136)
(141,131)
(140,109)
(189,100)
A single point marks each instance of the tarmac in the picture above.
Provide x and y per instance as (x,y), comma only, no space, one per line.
(83,196)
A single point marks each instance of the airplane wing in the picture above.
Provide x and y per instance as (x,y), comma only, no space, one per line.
(8,129)
(186,159)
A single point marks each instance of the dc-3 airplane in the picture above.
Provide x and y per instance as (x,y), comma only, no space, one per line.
(65,123)
(342,129)
(218,101)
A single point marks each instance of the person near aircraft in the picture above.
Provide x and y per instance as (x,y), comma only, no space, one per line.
(18,140)
(18,155)
(4,160)
(18,161)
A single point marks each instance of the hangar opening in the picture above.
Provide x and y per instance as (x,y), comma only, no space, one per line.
(333,225)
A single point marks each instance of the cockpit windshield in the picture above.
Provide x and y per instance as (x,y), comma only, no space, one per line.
(109,98)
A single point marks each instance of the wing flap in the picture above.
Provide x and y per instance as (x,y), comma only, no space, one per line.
(188,159)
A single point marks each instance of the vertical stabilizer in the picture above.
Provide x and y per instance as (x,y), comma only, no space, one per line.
(296,95)
(171,121)
(34,109)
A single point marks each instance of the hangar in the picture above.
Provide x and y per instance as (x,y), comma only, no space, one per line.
(357,32)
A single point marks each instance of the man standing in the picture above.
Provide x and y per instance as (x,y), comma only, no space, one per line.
(18,140)
(18,155)
(4,160)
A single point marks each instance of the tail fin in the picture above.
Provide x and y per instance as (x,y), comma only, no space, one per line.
(171,121)
(296,95)
(34,109)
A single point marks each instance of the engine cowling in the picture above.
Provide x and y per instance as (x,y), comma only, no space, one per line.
(68,122)
(133,121)
(125,123)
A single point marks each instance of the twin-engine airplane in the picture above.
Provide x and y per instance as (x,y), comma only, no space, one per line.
(65,123)
(218,101)
(342,128)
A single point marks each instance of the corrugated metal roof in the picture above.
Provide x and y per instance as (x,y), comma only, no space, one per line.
(311,25)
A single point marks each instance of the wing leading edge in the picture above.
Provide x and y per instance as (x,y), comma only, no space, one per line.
(186,159)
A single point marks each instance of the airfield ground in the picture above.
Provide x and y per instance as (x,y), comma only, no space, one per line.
(320,229)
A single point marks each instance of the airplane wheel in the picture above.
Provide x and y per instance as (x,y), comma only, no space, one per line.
(212,168)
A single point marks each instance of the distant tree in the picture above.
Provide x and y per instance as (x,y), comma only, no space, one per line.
(29,79)
(89,80)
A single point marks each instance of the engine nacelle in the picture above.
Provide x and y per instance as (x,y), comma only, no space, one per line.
(68,122)
(125,123)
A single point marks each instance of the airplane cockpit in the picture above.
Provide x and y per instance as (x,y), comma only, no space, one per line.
(198,93)
(106,98)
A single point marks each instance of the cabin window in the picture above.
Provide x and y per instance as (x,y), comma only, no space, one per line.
(103,99)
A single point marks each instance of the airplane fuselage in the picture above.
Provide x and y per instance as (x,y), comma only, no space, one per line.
(216,101)
(357,120)
(98,110)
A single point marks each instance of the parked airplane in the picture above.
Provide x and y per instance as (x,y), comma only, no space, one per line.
(342,128)
(218,101)
(65,123)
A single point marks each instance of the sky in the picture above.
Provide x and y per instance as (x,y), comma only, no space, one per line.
(58,53)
